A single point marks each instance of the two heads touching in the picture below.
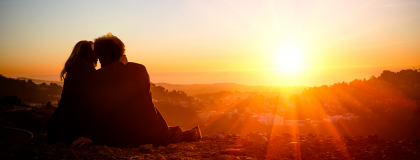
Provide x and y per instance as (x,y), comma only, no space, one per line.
(107,49)
(82,110)
(111,106)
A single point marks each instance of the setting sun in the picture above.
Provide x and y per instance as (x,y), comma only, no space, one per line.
(289,59)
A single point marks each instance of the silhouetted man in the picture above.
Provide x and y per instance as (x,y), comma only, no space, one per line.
(123,112)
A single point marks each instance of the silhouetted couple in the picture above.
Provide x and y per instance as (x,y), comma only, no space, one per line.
(109,106)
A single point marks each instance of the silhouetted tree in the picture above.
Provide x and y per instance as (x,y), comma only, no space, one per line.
(12,100)
(49,105)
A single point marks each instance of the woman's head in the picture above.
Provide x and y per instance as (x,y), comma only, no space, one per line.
(82,49)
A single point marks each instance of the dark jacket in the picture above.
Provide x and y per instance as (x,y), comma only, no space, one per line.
(112,106)
(126,115)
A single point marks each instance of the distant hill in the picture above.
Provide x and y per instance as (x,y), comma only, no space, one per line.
(193,89)
(39,81)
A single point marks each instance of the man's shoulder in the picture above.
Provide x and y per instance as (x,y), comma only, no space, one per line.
(136,67)
(137,73)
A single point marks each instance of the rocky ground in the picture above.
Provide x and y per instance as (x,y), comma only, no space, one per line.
(250,146)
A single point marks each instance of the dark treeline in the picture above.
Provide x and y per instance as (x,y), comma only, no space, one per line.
(387,105)
(391,92)
(14,93)
(28,91)
(162,94)
(398,89)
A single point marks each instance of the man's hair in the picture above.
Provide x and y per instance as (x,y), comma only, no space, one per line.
(112,42)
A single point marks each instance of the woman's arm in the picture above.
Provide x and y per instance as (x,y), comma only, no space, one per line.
(82,141)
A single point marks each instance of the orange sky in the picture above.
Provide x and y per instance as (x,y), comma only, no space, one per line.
(249,42)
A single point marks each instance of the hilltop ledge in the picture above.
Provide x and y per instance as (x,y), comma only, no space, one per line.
(231,146)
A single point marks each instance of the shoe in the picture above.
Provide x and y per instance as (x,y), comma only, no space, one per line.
(176,134)
(197,128)
(193,134)
(190,135)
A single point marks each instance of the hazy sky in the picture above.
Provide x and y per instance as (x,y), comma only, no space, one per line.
(258,42)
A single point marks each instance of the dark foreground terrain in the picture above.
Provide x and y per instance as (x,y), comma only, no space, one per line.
(250,146)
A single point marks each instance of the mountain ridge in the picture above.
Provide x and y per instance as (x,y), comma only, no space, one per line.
(193,89)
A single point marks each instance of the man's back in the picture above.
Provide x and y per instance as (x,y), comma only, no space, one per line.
(132,117)
(150,122)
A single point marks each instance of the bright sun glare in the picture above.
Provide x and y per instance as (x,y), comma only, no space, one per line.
(289,60)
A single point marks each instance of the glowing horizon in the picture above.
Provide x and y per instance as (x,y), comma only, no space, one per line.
(248,42)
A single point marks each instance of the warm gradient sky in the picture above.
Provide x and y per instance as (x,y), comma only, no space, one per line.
(258,42)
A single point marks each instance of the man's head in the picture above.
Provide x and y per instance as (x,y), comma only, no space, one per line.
(110,48)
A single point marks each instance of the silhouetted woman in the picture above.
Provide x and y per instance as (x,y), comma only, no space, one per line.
(71,119)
